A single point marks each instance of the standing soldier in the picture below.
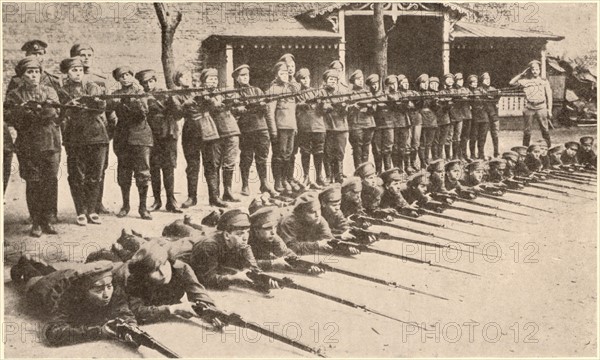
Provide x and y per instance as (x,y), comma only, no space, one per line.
(402,123)
(283,112)
(133,141)
(165,132)
(586,155)
(36,49)
(336,137)
(339,67)
(256,132)
(429,120)
(86,140)
(226,151)
(9,148)
(480,123)
(383,139)
(443,118)
(490,106)
(38,142)
(460,115)
(86,53)
(361,123)
(538,96)
(469,128)
(311,130)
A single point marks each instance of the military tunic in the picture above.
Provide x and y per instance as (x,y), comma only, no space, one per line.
(300,237)
(266,251)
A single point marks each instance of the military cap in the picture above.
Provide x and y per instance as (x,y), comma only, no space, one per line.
(352,184)
(145,75)
(401,77)
(534,62)
(434,79)
(510,155)
(422,78)
(178,74)
(302,74)
(471,78)
(497,163)
(68,63)
(390,79)
(208,72)
(521,150)
(372,79)
(391,175)
(335,63)
(287,58)
(27,63)
(365,170)
(534,147)
(265,217)
(371,192)
(448,76)
(418,178)
(452,163)
(118,72)
(307,202)
(233,219)
(573,145)
(281,65)
(555,149)
(330,73)
(242,69)
(34,47)
(458,76)
(475,165)
(485,75)
(436,165)
(355,75)
(91,272)
(331,193)
(586,140)
(78,48)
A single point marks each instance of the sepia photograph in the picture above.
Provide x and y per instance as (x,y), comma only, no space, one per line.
(300,179)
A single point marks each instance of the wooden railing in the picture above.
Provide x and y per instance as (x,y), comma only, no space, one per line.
(511,106)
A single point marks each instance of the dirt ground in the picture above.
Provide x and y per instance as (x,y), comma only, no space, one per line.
(539,298)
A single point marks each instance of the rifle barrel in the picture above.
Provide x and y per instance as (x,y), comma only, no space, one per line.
(496,198)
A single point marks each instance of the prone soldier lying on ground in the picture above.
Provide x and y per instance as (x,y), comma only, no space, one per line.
(586,155)
(453,175)
(474,179)
(394,183)
(417,192)
(351,196)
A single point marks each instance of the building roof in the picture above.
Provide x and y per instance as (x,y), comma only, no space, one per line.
(325,8)
(465,30)
(283,28)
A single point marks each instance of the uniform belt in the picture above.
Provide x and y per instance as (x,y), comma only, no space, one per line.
(536,103)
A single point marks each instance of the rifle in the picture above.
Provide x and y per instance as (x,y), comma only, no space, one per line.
(575,174)
(464,221)
(557,191)
(203,92)
(568,187)
(397,215)
(510,191)
(210,312)
(570,178)
(141,337)
(397,226)
(493,197)
(388,236)
(364,248)
(468,201)
(303,263)
(38,105)
(289,283)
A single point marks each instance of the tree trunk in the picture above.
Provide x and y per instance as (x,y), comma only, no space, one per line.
(168,25)
(381,45)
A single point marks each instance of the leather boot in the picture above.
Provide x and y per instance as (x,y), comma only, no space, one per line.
(422,159)
(340,172)
(456,151)
(318,159)
(100,209)
(448,151)
(326,164)
(143,211)
(245,181)
(526,139)
(400,162)
(227,186)
(387,161)
(172,207)
(463,149)
(406,160)
(156,185)
(472,145)
(413,161)
(261,169)
(378,162)
(276,169)
(125,189)
(495,143)
(213,191)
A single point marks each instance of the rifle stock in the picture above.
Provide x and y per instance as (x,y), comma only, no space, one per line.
(141,337)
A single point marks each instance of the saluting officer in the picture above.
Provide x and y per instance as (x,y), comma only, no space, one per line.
(87,55)
(38,142)
(256,132)
(165,132)
(133,141)
(538,96)
(86,140)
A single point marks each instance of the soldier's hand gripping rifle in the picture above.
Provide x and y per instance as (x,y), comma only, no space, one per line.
(290,284)
(296,262)
(205,91)
(210,313)
(140,337)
